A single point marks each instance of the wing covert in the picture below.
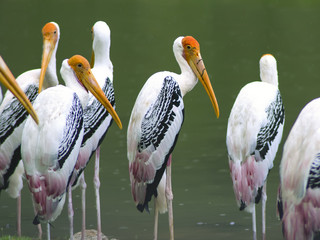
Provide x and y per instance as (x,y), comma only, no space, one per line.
(95,113)
(268,133)
(314,174)
(15,114)
(160,128)
(74,123)
(164,117)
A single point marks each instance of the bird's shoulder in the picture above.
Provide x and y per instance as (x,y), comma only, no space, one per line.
(102,74)
(257,93)
(29,77)
(253,101)
(152,90)
(28,82)
(54,102)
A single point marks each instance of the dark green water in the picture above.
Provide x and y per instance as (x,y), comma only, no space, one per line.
(233,36)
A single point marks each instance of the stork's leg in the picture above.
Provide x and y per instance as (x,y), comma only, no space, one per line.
(169,197)
(264,201)
(19,215)
(156,217)
(254,224)
(96,181)
(39,225)
(48,231)
(83,187)
(70,212)
(39,231)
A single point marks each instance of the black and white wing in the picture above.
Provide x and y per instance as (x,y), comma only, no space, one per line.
(160,127)
(12,119)
(97,121)
(270,134)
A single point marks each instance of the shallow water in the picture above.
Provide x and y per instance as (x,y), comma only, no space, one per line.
(233,36)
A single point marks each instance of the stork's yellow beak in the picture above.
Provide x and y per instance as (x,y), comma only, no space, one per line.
(81,67)
(195,61)
(197,65)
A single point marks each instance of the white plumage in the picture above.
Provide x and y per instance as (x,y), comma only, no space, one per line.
(13,115)
(8,80)
(155,123)
(41,144)
(50,150)
(254,132)
(97,120)
(299,194)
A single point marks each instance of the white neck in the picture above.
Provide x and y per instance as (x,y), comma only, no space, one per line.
(102,55)
(187,79)
(101,46)
(268,69)
(51,78)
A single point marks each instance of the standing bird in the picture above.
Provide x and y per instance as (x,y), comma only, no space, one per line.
(50,150)
(299,206)
(97,119)
(154,126)
(254,132)
(13,116)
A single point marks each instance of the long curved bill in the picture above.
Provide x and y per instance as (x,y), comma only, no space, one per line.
(48,47)
(8,80)
(92,85)
(197,65)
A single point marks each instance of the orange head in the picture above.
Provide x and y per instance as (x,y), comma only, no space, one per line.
(50,34)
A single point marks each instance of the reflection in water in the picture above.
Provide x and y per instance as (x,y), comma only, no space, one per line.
(233,35)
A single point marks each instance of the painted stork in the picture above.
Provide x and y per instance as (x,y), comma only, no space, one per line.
(299,194)
(13,116)
(50,150)
(97,119)
(154,126)
(254,132)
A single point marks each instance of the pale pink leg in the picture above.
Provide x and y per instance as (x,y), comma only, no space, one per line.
(96,181)
(70,212)
(254,224)
(169,197)
(39,231)
(19,215)
(39,225)
(48,231)
(156,217)
(83,186)
(264,201)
